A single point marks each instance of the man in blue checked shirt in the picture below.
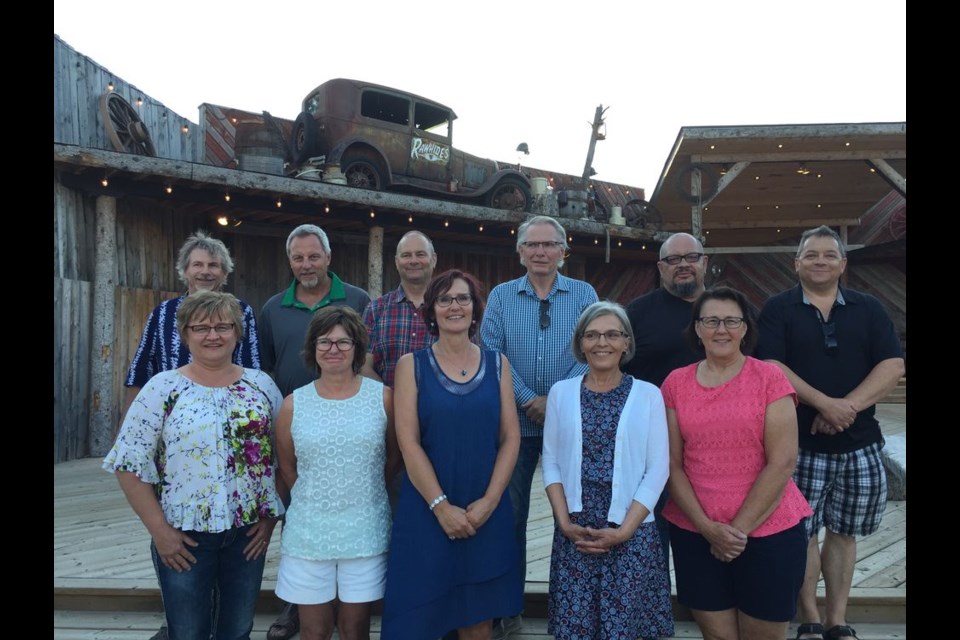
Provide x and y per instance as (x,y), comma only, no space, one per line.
(531,321)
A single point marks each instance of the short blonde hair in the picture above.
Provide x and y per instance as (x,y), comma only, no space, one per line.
(206,304)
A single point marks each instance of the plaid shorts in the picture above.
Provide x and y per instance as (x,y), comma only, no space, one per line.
(847,491)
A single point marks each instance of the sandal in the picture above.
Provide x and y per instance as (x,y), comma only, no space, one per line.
(286,625)
(810,629)
(840,631)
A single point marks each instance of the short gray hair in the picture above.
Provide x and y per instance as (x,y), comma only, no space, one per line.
(535,220)
(591,313)
(216,248)
(309,230)
(823,231)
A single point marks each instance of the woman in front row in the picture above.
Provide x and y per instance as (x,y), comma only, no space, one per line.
(194,458)
(739,548)
(605,461)
(336,450)
(453,555)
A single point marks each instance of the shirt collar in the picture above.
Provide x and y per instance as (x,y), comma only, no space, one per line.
(337,292)
(559,284)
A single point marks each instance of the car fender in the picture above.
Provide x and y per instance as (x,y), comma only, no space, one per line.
(491,182)
(370,149)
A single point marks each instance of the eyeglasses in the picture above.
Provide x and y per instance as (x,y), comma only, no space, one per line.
(712,322)
(544,316)
(325,344)
(463,300)
(830,343)
(687,257)
(612,336)
(550,244)
(221,329)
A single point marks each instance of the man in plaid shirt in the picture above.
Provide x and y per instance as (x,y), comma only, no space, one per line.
(395,320)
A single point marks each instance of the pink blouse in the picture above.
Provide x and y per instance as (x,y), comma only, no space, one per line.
(722,429)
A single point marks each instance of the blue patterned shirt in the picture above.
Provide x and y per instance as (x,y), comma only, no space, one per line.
(162,350)
(538,357)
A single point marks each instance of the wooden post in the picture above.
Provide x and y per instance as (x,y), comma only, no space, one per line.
(101,362)
(375,256)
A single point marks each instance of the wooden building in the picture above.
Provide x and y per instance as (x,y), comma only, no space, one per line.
(119,219)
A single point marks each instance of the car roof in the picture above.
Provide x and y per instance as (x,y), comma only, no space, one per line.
(360,84)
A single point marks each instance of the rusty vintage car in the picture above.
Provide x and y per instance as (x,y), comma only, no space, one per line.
(383,138)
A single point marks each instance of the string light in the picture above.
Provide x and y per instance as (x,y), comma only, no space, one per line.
(595,241)
(643,247)
(481,227)
(279,203)
(185,129)
(226,197)
(513,231)
(223,221)
(446,223)
(619,243)
(372,214)
(139,101)
(168,189)
(105,183)
(410,219)
(326,207)
(110,86)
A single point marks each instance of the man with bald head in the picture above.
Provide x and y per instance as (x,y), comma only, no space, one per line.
(395,320)
(658,319)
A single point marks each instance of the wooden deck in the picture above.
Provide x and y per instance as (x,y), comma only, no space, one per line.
(104,585)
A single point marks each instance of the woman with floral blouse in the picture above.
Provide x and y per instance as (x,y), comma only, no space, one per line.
(195,460)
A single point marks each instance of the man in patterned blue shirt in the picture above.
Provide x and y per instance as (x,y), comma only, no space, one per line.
(531,321)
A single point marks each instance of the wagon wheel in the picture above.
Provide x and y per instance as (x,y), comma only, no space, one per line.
(897,226)
(124,127)
(641,214)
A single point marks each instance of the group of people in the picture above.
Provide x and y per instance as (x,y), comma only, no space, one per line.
(400,437)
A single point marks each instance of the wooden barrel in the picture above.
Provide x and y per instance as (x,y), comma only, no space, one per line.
(259,147)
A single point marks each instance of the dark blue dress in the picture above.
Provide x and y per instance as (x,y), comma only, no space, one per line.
(623,593)
(435,584)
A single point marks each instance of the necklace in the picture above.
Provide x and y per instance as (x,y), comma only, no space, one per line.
(463,369)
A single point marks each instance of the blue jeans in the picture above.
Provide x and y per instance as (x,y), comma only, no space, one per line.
(188,597)
(520,484)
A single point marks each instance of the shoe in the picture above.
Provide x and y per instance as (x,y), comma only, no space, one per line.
(161,634)
(809,631)
(507,626)
(840,631)
(286,625)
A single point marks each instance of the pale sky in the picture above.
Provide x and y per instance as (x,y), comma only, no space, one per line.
(521,71)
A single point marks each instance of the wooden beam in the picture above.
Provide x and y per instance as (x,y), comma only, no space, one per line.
(102,361)
(798,156)
(775,131)
(777,248)
(206,178)
(899,182)
(375,256)
(806,223)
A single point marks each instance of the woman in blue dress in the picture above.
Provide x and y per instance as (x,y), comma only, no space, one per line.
(453,556)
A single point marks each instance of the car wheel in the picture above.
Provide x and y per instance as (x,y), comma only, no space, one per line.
(361,173)
(303,140)
(511,193)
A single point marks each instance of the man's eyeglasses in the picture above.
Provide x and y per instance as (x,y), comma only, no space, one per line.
(687,257)
(325,344)
(463,300)
(544,316)
(612,336)
(712,322)
(550,244)
(221,329)
(829,337)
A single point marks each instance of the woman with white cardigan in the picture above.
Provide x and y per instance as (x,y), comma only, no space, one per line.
(605,463)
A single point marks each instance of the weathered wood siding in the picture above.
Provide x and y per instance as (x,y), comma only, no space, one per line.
(71,366)
(78,83)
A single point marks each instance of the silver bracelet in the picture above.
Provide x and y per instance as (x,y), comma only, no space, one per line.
(437,501)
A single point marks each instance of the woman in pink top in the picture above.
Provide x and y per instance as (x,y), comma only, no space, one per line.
(736,515)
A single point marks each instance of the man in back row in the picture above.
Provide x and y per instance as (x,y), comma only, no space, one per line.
(283,327)
(841,353)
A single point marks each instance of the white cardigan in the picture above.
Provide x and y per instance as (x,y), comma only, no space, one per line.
(641,455)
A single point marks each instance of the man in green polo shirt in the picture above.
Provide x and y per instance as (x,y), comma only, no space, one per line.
(283,325)
(284,318)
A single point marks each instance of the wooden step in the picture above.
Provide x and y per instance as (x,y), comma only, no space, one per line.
(138,625)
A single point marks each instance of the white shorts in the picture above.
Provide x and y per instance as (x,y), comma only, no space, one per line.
(355,580)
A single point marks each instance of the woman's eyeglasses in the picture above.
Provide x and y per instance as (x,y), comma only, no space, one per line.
(325,344)
(612,336)
(221,329)
(463,300)
(712,322)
